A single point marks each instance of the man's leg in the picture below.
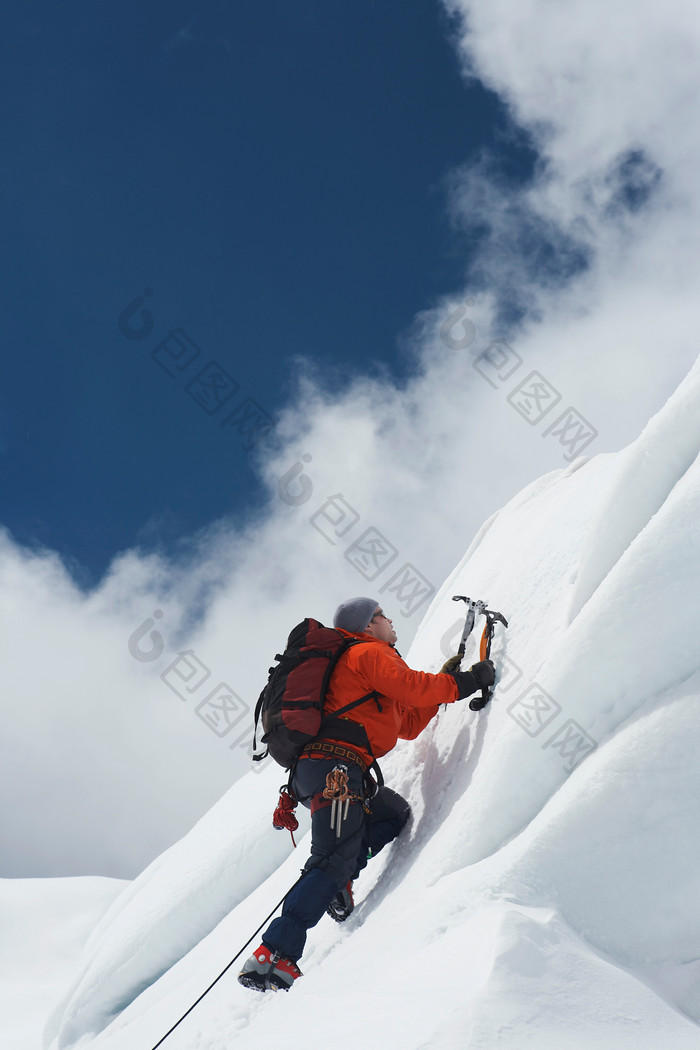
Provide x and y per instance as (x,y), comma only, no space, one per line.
(389,813)
(333,857)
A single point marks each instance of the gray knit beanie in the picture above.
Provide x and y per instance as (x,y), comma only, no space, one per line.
(355,614)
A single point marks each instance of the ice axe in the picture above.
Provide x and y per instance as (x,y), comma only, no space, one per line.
(485,647)
(485,652)
(472,609)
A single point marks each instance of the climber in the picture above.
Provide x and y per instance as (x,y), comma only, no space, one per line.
(353,816)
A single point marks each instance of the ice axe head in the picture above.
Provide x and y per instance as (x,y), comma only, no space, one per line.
(491,619)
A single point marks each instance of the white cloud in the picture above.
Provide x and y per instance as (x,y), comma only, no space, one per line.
(105,764)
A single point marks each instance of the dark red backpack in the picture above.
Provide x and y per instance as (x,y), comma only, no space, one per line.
(290,706)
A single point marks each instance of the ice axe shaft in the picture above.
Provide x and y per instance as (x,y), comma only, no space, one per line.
(472,609)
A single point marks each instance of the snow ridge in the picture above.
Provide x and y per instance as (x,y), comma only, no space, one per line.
(644,477)
(544,893)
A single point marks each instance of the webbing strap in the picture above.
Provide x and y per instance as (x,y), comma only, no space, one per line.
(373,695)
(329,749)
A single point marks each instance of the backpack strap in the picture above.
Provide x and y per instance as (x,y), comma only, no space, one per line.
(258,706)
(373,695)
(281,658)
(347,730)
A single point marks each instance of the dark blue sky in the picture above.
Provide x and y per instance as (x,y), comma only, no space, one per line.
(273,175)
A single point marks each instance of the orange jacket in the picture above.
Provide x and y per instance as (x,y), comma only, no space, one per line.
(408,699)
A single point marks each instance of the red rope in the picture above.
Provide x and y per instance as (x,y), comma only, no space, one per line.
(283,817)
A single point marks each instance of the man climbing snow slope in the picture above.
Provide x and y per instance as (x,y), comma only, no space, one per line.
(337,766)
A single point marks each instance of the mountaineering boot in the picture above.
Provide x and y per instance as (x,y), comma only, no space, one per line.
(342,904)
(266,970)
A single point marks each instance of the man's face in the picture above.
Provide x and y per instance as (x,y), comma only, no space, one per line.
(381,627)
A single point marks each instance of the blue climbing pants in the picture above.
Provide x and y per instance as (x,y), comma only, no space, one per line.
(335,858)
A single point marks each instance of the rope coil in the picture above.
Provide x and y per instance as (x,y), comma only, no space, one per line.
(284,816)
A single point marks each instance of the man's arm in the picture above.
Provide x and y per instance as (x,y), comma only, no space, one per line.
(415,719)
(384,670)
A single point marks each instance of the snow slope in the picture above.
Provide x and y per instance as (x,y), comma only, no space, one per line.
(544,893)
(152,923)
(44,924)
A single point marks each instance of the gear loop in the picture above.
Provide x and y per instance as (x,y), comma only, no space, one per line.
(338,793)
